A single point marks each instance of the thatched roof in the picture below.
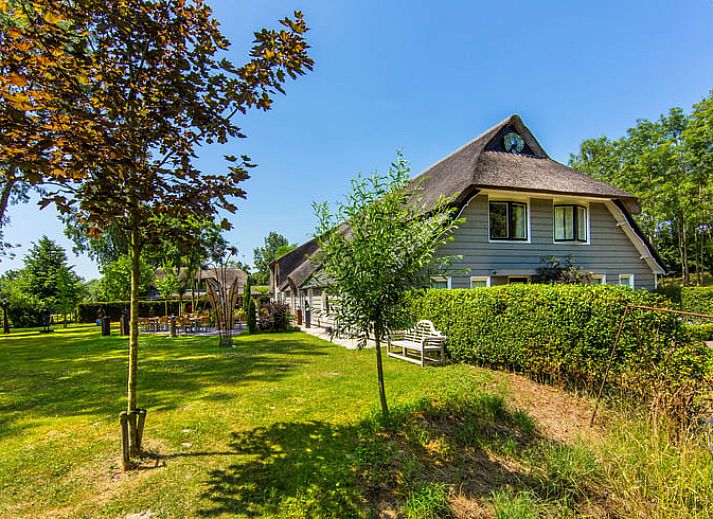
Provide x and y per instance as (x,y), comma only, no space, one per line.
(287,264)
(484,163)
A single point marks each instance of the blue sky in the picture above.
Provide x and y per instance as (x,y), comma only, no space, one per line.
(426,77)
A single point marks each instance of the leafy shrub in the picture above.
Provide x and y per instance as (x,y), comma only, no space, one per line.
(25,311)
(564,333)
(274,317)
(700,332)
(252,322)
(113,309)
(690,299)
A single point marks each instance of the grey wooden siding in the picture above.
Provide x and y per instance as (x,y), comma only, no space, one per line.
(609,252)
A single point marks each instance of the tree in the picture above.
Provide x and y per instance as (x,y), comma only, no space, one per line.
(167,283)
(375,248)
(156,88)
(47,132)
(42,266)
(70,290)
(115,284)
(91,291)
(275,246)
(46,283)
(104,248)
(666,164)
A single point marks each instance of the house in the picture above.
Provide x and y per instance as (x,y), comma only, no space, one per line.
(519,207)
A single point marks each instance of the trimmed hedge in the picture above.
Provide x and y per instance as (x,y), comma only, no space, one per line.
(690,299)
(87,312)
(563,333)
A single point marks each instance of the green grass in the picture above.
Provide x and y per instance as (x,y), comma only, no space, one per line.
(285,425)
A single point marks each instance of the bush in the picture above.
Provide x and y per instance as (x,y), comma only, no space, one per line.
(274,317)
(564,333)
(252,323)
(700,332)
(88,311)
(26,311)
(690,299)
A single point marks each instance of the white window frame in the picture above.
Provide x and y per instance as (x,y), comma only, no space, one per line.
(630,276)
(575,202)
(598,279)
(441,279)
(480,278)
(519,200)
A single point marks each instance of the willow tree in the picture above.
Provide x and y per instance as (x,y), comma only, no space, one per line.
(158,86)
(377,245)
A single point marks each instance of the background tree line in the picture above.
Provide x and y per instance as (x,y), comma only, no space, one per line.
(668,164)
(45,284)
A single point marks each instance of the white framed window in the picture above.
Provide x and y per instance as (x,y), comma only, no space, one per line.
(508,220)
(571,223)
(479,281)
(440,282)
(599,279)
(626,280)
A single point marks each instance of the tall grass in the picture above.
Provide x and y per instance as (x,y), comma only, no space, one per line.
(655,471)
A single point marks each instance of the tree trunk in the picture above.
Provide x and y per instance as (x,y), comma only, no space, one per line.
(684,251)
(132,406)
(6,190)
(380,375)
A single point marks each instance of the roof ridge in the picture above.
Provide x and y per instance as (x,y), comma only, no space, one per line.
(493,129)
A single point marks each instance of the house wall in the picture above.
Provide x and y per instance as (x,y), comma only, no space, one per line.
(609,251)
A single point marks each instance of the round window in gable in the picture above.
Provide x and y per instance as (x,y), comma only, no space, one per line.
(513,142)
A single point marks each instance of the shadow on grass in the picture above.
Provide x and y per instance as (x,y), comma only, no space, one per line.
(473,449)
(79,372)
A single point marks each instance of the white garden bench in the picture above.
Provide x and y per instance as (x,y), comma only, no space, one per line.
(414,344)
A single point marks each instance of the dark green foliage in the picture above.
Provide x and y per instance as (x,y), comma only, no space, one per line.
(700,332)
(26,312)
(274,317)
(246,294)
(666,163)
(563,333)
(45,284)
(252,318)
(690,299)
(275,246)
(88,311)
(561,271)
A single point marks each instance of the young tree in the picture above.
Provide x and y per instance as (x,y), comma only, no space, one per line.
(156,87)
(375,248)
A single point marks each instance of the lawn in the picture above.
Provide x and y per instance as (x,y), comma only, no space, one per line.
(285,425)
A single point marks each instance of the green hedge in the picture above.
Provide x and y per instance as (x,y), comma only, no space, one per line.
(690,299)
(564,333)
(701,332)
(87,312)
